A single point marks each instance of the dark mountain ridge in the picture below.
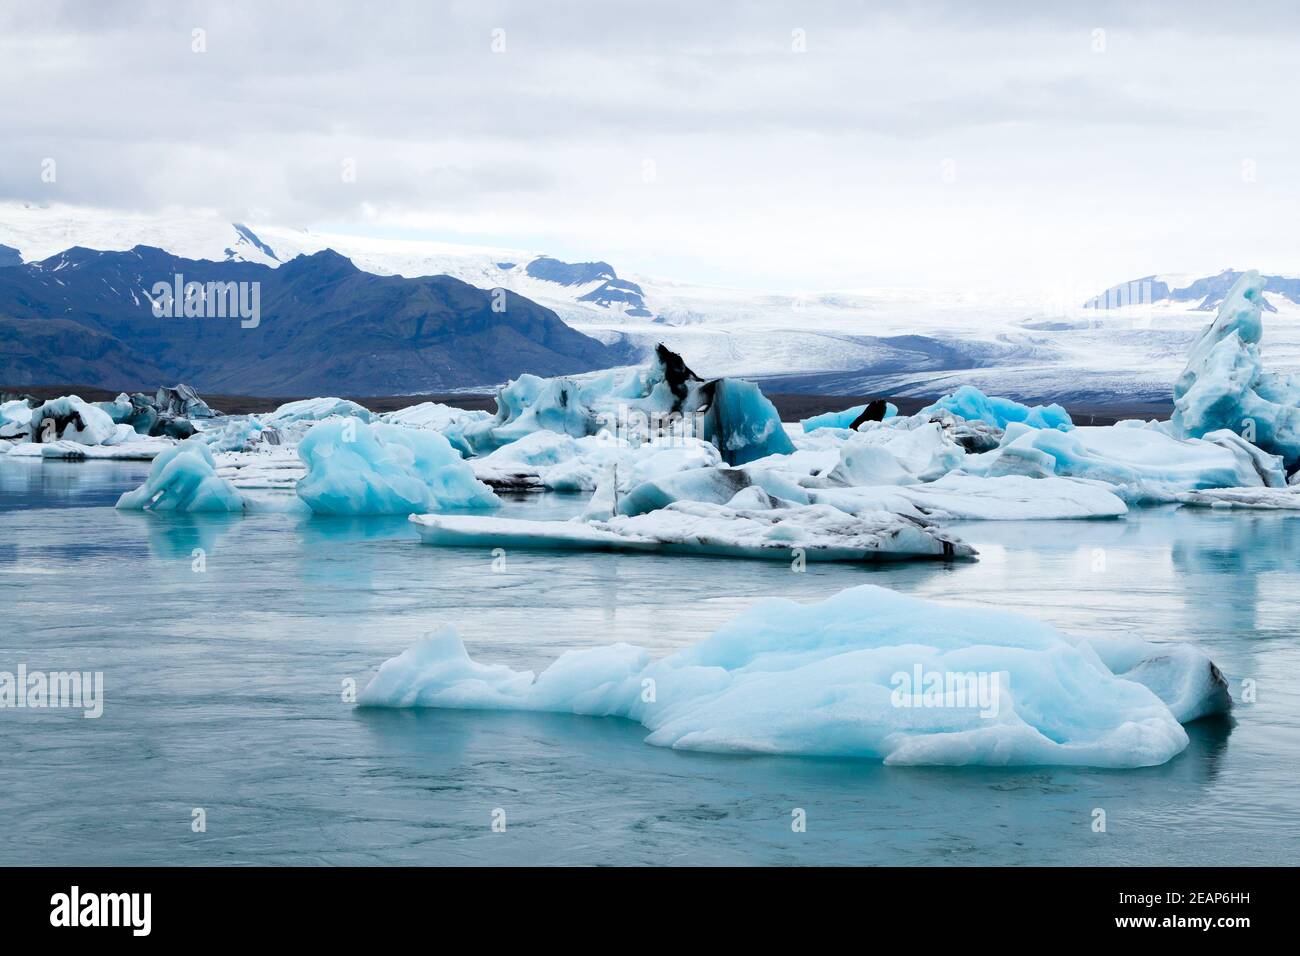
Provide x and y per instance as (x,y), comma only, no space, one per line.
(322,326)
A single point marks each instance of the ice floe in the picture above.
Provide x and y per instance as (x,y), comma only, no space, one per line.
(867,673)
(752,525)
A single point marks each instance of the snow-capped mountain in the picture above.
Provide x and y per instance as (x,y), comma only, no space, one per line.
(1116,347)
(1206,292)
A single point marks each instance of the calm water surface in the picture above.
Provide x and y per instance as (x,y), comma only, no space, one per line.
(224,692)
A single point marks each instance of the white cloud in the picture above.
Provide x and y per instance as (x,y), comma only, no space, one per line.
(949,144)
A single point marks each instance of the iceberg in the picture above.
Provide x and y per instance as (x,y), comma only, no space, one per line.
(15,419)
(867,673)
(184,478)
(713,485)
(449,420)
(70,419)
(560,462)
(922,449)
(970,403)
(848,417)
(1251,499)
(971,497)
(634,405)
(358,469)
(751,525)
(313,410)
(1142,463)
(1224,386)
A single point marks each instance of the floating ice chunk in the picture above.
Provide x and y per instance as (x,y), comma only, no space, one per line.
(70,419)
(137,449)
(1006,498)
(716,485)
(1144,464)
(818,532)
(743,423)
(561,463)
(359,469)
(15,419)
(1224,385)
(864,464)
(184,478)
(921,448)
(970,403)
(604,500)
(314,410)
(637,405)
(1257,499)
(845,418)
(1187,681)
(449,420)
(867,673)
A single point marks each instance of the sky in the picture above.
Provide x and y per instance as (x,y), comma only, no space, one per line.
(967,146)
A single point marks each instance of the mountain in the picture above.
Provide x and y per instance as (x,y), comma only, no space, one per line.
(1120,347)
(1207,292)
(323,326)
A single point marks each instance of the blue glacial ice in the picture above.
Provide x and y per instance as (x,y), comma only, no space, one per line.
(1224,385)
(843,419)
(1143,463)
(635,405)
(970,403)
(867,673)
(358,469)
(184,478)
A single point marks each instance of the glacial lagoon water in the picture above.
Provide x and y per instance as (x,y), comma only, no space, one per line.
(223,692)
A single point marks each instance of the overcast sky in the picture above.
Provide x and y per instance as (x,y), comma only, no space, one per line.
(967,145)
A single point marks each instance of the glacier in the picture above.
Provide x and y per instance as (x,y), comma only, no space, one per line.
(855,676)
(355,468)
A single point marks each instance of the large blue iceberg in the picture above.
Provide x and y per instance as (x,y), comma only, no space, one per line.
(637,405)
(867,673)
(1224,385)
(359,469)
(184,478)
(970,403)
